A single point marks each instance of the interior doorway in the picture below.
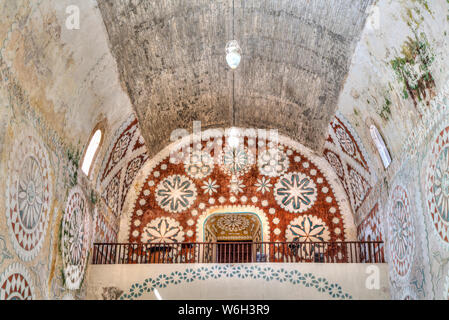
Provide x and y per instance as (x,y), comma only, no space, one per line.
(235,237)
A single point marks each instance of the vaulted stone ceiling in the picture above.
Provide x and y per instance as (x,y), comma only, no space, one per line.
(296,55)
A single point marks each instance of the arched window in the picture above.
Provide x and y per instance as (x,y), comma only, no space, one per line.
(91,151)
(380,144)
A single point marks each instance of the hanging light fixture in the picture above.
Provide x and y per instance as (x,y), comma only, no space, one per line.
(233,54)
(233,138)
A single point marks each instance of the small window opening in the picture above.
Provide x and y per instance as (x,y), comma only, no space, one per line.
(91,151)
(380,144)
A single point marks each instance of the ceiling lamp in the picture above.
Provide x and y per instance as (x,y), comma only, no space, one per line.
(233,138)
(233,54)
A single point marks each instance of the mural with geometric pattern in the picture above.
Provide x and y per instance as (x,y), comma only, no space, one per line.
(346,154)
(125,156)
(294,188)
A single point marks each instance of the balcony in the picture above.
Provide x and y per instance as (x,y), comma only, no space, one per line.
(239,270)
(238,252)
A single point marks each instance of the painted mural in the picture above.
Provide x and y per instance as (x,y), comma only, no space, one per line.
(28,194)
(371,229)
(125,156)
(44,206)
(76,233)
(437,186)
(291,190)
(411,205)
(345,153)
(105,228)
(15,283)
(323,286)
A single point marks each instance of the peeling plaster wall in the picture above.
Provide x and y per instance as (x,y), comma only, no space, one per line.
(410,121)
(372,80)
(55,86)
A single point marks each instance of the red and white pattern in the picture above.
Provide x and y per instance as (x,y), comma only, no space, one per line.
(104,230)
(437,185)
(162,230)
(345,153)
(239,182)
(370,229)
(16,283)
(125,156)
(76,235)
(401,231)
(28,196)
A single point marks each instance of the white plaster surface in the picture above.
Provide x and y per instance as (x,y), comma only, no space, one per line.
(350,277)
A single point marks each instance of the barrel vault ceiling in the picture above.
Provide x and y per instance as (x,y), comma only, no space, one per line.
(295,58)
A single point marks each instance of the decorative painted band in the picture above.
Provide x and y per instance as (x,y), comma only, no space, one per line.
(239,271)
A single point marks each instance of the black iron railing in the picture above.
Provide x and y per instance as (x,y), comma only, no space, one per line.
(238,252)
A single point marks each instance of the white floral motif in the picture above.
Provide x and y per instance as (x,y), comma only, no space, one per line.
(263,185)
(236,161)
(236,185)
(210,186)
(273,162)
(199,165)
(163,230)
(307,228)
(295,192)
(30,193)
(176,193)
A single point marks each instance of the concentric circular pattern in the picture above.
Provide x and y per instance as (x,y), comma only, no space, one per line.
(163,230)
(438,185)
(295,192)
(233,223)
(273,162)
(15,283)
(176,193)
(401,232)
(75,238)
(199,165)
(236,161)
(28,197)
